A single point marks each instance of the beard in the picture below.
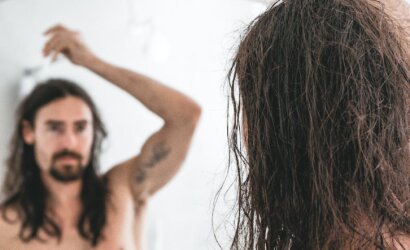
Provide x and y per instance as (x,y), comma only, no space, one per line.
(66,172)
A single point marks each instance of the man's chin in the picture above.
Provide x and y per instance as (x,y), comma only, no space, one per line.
(66,176)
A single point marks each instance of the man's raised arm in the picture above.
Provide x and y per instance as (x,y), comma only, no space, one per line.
(163,153)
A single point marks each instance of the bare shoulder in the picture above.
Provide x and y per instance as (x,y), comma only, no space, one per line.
(119,179)
(401,242)
(397,240)
(119,173)
(9,225)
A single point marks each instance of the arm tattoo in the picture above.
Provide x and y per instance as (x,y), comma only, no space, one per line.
(140,176)
(159,153)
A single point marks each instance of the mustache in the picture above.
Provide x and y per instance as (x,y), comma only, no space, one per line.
(65,153)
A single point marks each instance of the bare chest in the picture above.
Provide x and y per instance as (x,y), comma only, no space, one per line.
(122,232)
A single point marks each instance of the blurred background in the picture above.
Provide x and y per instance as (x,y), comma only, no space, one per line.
(187,44)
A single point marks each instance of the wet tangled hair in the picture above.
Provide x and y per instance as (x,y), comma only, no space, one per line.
(320,97)
(23,186)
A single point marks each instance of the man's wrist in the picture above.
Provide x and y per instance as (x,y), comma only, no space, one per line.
(93,63)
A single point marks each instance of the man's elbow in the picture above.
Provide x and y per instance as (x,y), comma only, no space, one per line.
(192,114)
(196,112)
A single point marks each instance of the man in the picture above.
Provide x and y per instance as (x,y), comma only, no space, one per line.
(55,199)
(320,96)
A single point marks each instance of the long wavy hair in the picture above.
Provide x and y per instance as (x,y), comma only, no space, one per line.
(23,186)
(319,134)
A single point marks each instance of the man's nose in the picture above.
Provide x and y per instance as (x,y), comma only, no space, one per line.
(69,140)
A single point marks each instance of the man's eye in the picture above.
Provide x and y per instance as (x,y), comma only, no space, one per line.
(55,128)
(80,128)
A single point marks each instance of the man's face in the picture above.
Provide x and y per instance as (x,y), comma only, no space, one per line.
(62,138)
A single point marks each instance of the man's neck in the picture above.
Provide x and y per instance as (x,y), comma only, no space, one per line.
(63,201)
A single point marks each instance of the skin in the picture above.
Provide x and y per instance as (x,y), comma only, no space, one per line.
(66,124)
(400,10)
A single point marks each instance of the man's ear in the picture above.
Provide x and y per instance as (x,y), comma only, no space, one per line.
(28,133)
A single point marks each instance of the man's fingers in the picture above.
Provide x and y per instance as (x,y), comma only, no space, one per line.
(58,50)
(51,45)
(54,29)
(55,47)
(56,53)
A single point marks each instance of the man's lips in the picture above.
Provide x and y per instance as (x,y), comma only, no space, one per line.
(67,158)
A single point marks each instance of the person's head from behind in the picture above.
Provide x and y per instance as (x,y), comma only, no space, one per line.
(57,138)
(320,96)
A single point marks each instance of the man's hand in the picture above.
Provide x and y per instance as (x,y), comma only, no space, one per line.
(68,43)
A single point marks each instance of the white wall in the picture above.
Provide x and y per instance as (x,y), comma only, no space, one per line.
(200,36)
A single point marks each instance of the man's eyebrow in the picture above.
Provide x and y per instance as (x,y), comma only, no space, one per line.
(54,122)
(61,122)
(82,122)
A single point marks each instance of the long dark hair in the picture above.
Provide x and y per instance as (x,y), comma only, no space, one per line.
(320,92)
(23,186)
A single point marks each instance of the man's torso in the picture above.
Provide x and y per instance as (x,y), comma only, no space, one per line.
(122,231)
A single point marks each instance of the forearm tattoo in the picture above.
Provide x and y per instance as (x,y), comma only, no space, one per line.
(159,152)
